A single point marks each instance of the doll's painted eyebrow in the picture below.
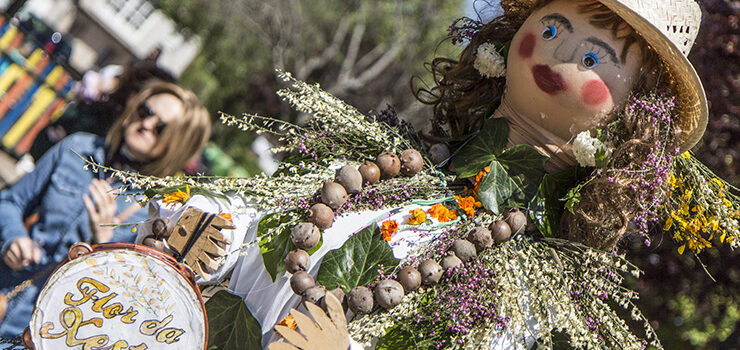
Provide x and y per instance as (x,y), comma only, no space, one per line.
(606,47)
(560,19)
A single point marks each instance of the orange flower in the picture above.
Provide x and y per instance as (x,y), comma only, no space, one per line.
(226,216)
(439,212)
(287,322)
(177,197)
(479,178)
(417,217)
(468,204)
(451,216)
(389,229)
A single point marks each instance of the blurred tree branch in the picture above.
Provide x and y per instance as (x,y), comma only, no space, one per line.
(364,52)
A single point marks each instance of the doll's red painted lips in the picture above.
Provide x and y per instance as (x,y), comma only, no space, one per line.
(548,80)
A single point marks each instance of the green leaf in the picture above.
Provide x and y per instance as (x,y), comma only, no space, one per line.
(356,262)
(525,165)
(546,208)
(230,324)
(482,149)
(276,226)
(600,135)
(396,338)
(600,157)
(572,198)
(497,188)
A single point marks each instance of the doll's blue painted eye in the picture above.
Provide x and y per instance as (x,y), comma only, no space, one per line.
(590,60)
(549,32)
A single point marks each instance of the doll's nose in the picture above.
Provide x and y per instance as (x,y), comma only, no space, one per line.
(565,53)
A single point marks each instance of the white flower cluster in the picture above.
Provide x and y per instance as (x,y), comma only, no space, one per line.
(585,147)
(489,62)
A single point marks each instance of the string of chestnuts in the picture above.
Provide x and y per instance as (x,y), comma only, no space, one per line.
(350,180)
(389,293)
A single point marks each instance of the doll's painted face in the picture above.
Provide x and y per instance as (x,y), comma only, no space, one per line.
(566,72)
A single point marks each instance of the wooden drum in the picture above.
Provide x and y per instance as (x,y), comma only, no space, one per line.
(118,296)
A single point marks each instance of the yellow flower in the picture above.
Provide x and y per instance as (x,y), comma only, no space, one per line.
(727,203)
(683,209)
(714,223)
(686,155)
(388,229)
(668,224)
(672,181)
(719,183)
(288,322)
(687,195)
(681,249)
(417,217)
(177,197)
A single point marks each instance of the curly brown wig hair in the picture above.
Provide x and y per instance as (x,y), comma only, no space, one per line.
(462,99)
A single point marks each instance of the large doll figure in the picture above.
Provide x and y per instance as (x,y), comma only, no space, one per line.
(598,94)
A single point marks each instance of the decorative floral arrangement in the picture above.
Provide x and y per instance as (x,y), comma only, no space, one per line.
(535,276)
(701,207)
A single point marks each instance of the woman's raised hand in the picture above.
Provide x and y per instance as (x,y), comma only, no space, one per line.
(101,210)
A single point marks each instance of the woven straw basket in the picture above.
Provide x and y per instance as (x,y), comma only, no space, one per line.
(670,27)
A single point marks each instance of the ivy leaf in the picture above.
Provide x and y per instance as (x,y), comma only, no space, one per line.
(276,226)
(546,208)
(230,324)
(356,262)
(572,198)
(497,188)
(482,149)
(525,165)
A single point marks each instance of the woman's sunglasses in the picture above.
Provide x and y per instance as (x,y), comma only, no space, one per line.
(143,112)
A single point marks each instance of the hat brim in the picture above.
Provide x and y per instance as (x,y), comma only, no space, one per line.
(692,100)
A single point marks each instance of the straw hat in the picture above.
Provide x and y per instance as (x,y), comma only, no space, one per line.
(670,27)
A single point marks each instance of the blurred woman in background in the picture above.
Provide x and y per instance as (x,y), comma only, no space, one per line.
(158,131)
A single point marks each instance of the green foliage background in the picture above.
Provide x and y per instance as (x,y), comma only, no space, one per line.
(244,41)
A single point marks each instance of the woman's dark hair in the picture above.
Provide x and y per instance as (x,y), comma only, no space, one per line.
(133,79)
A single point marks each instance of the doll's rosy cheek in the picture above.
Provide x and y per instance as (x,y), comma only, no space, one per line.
(595,92)
(526,48)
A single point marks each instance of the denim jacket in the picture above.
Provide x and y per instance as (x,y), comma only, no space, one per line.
(54,190)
